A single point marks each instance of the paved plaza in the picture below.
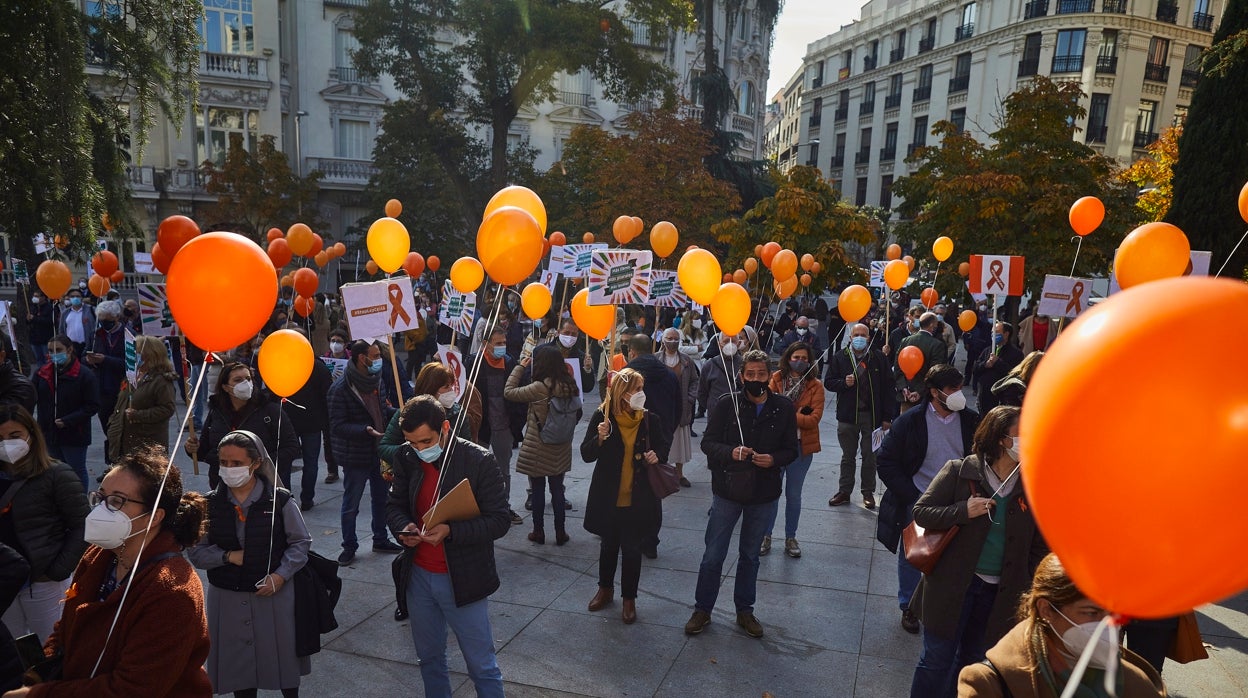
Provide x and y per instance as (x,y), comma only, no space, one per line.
(831,617)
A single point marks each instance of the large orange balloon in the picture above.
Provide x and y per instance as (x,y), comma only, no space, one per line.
(663,239)
(731,308)
(509,244)
(279,253)
(910,361)
(1086,215)
(104,263)
(1073,440)
(221,290)
(807,261)
(160,259)
(434,263)
(174,232)
(750,266)
(98,285)
(558,238)
(768,253)
(594,320)
(786,288)
(414,265)
(467,274)
(306,282)
(942,248)
(784,264)
(853,303)
(896,274)
(967,320)
(929,297)
(388,243)
(893,252)
(1150,252)
(522,198)
(299,237)
(535,300)
(285,362)
(622,229)
(394,208)
(700,275)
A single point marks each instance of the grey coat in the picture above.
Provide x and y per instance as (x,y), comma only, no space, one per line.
(715,383)
(151,398)
(48,518)
(537,459)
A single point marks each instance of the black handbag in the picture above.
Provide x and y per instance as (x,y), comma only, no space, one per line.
(317,589)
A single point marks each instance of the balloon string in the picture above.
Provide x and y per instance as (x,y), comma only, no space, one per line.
(732,381)
(1232,254)
(276,483)
(1077,249)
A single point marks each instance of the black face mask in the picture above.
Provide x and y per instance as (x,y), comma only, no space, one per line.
(755,388)
(128,312)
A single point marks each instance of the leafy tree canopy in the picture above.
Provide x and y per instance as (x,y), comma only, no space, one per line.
(258,191)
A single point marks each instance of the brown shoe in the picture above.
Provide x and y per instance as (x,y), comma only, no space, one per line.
(697,622)
(750,624)
(868,500)
(838,499)
(629,613)
(538,537)
(602,599)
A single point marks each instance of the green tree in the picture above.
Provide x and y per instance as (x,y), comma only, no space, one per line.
(1014,196)
(258,191)
(1213,161)
(1153,176)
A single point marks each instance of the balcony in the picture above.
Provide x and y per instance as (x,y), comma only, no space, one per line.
(1028,67)
(1096,134)
(815,120)
(927,43)
(816,83)
(233,65)
(344,172)
(646,106)
(897,54)
(1168,12)
(576,99)
(1068,64)
(643,37)
(892,101)
(1189,78)
(913,148)
(142,178)
(184,180)
(1156,72)
(1114,7)
(1035,8)
(888,154)
(842,113)
(866,108)
(964,32)
(1143,139)
(1070,7)
(922,93)
(1107,65)
(1202,22)
(959,83)
(351,76)
(743,124)
(862,157)
(869,62)
(358,4)
(838,160)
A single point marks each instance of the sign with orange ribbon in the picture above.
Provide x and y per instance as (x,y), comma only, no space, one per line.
(997,275)
(1064,296)
(379,308)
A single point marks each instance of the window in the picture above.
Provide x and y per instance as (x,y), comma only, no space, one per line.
(968,13)
(1145,123)
(1191,65)
(1201,19)
(847,65)
(812,158)
(899,47)
(354,139)
(97,42)
(1107,59)
(747,99)
(918,138)
(967,29)
(961,79)
(1159,51)
(868,98)
(816,112)
(228,26)
(864,147)
(695,87)
(1030,63)
(958,117)
(860,196)
(1180,115)
(872,58)
(923,91)
(1065,7)
(838,157)
(889,151)
(1068,57)
(893,100)
(886,192)
(743,26)
(214,126)
(1098,118)
(842,106)
(577,89)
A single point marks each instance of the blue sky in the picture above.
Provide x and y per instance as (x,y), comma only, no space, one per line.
(801,22)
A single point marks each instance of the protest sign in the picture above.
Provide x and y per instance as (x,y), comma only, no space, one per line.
(451,358)
(619,277)
(573,261)
(379,308)
(143,263)
(550,280)
(457,310)
(154,313)
(665,290)
(1064,296)
(1000,275)
(132,358)
(21,275)
(574,367)
(877,274)
(337,367)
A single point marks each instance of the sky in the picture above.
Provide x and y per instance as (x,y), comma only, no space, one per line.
(802,22)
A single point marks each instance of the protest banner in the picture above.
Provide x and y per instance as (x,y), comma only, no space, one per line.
(619,277)
(143,263)
(457,310)
(154,314)
(998,275)
(877,274)
(573,261)
(1064,296)
(665,290)
(451,358)
(337,367)
(379,308)
(21,275)
(550,280)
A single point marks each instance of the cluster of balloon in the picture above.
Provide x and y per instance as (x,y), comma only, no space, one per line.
(627,228)
(107,272)
(300,241)
(172,234)
(511,238)
(221,290)
(285,362)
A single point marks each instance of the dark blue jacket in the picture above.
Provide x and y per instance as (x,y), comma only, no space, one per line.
(76,401)
(348,422)
(662,389)
(112,371)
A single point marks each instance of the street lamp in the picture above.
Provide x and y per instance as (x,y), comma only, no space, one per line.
(299,153)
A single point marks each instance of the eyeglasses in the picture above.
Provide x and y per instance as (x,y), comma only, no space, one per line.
(114,502)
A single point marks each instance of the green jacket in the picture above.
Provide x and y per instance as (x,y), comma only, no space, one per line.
(934,352)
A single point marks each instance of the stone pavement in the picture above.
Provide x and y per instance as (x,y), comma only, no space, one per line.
(831,617)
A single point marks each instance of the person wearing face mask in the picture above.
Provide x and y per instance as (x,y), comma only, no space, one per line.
(68,398)
(251,553)
(15,387)
(437,381)
(357,415)
(907,325)
(917,446)
(141,413)
(137,532)
(967,602)
(1038,655)
(447,571)
(865,401)
(1036,332)
(801,333)
(106,355)
(338,340)
(42,510)
(130,316)
(797,380)
(994,364)
(686,372)
(239,404)
(42,317)
(77,321)
(692,338)
(928,341)
(571,346)
(719,373)
(666,395)
(622,440)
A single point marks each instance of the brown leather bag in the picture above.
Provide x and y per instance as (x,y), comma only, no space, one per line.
(1188,645)
(924,546)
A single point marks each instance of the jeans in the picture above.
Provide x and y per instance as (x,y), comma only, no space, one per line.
(942,659)
(431,603)
(73,456)
(852,437)
(311,443)
(723,519)
(500,443)
(36,609)
(353,481)
(622,540)
(539,501)
(908,575)
(794,476)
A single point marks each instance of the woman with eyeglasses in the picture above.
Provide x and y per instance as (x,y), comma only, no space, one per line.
(155,643)
(42,510)
(251,552)
(967,602)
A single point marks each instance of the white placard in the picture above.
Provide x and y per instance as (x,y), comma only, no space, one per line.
(1064,296)
(143,263)
(451,358)
(379,308)
(573,261)
(550,280)
(574,367)
(337,367)
(877,274)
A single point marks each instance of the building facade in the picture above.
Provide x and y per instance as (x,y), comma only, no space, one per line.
(875,88)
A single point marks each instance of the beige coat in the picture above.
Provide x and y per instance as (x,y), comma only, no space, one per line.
(537,459)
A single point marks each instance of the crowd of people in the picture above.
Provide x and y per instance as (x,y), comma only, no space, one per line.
(100,559)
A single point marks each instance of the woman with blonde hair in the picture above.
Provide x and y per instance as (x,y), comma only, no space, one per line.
(143,409)
(1011,389)
(623,439)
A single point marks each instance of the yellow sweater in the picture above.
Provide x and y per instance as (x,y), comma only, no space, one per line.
(628,422)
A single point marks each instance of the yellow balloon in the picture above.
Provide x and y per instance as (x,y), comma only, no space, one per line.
(467,274)
(942,249)
(896,274)
(388,243)
(731,308)
(510,245)
(522,198)
(663,239)
(854,303)
(535,300)
(700,275)
(594,320)
(285,362)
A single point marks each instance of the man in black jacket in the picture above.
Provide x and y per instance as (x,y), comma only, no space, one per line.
(993,365)
(939,429)
(749,440)
(448,570)
(865,401)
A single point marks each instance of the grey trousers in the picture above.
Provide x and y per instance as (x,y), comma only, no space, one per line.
(854,437)
(500,444)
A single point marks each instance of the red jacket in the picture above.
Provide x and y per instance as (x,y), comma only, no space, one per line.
(161,640)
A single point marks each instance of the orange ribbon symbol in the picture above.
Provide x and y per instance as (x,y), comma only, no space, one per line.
(995,269)
(396,306)
(1074,303)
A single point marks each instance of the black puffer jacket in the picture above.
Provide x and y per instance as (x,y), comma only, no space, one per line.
(772,431)
(260,417)
(48,514)
(13,574)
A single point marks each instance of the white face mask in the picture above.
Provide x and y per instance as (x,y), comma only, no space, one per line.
(729,349)
(108,529)
(802,331)
(1012,452)
(955,401)
(567,340)
(336,347)
(242,391)
(637,400)
(1077,637)
(697,324)
(447,399)
(13,450)
(235,477)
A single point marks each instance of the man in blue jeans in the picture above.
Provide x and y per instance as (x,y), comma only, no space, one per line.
(358,415)
(749,439)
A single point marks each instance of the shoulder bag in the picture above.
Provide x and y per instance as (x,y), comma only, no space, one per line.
(1187,645)
(662,476)
(924,546)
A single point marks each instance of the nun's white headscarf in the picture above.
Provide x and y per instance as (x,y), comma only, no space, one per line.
(267,470)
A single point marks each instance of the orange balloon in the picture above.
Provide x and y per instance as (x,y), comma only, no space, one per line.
(893,252)
(910,361)
(896,274)
(929,297)
(768,253)
(509,245)
(587,238)
(98,285)
(808,261)
(909,261)
(727,278)
(371,267)
(1111,550)
(638,226)
(104,263)
(174,232)
(414,265)
(340,249)
(160,260)
(816,268)
(279,253)
(299,237)
(535,300)
(731,308)
(964,269)
(942,248)
(62,241)
(321,258)
(467,274)
(1086,215)
(663,239)
(221,290)
(622,229)
(758,251)
(786,288)
(519,197)
(1243,202)
(317,245)
(558,238)
(285,361)
(805,279)
(288,280)
(304,305)
(434,263)
(273,234)
(117,276)
(394,208)
(594,320)
(700,275)
(739,277)
(751,265)
(967,320)
(1150,252)
(853,303)
(784,264)
(306,282)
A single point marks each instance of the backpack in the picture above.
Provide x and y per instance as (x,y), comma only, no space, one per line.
(562,416)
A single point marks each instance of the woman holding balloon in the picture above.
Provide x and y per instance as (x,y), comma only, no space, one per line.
(239,404)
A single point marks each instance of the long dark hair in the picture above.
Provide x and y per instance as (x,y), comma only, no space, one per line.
(992,428)
(548,365)
(787,356)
